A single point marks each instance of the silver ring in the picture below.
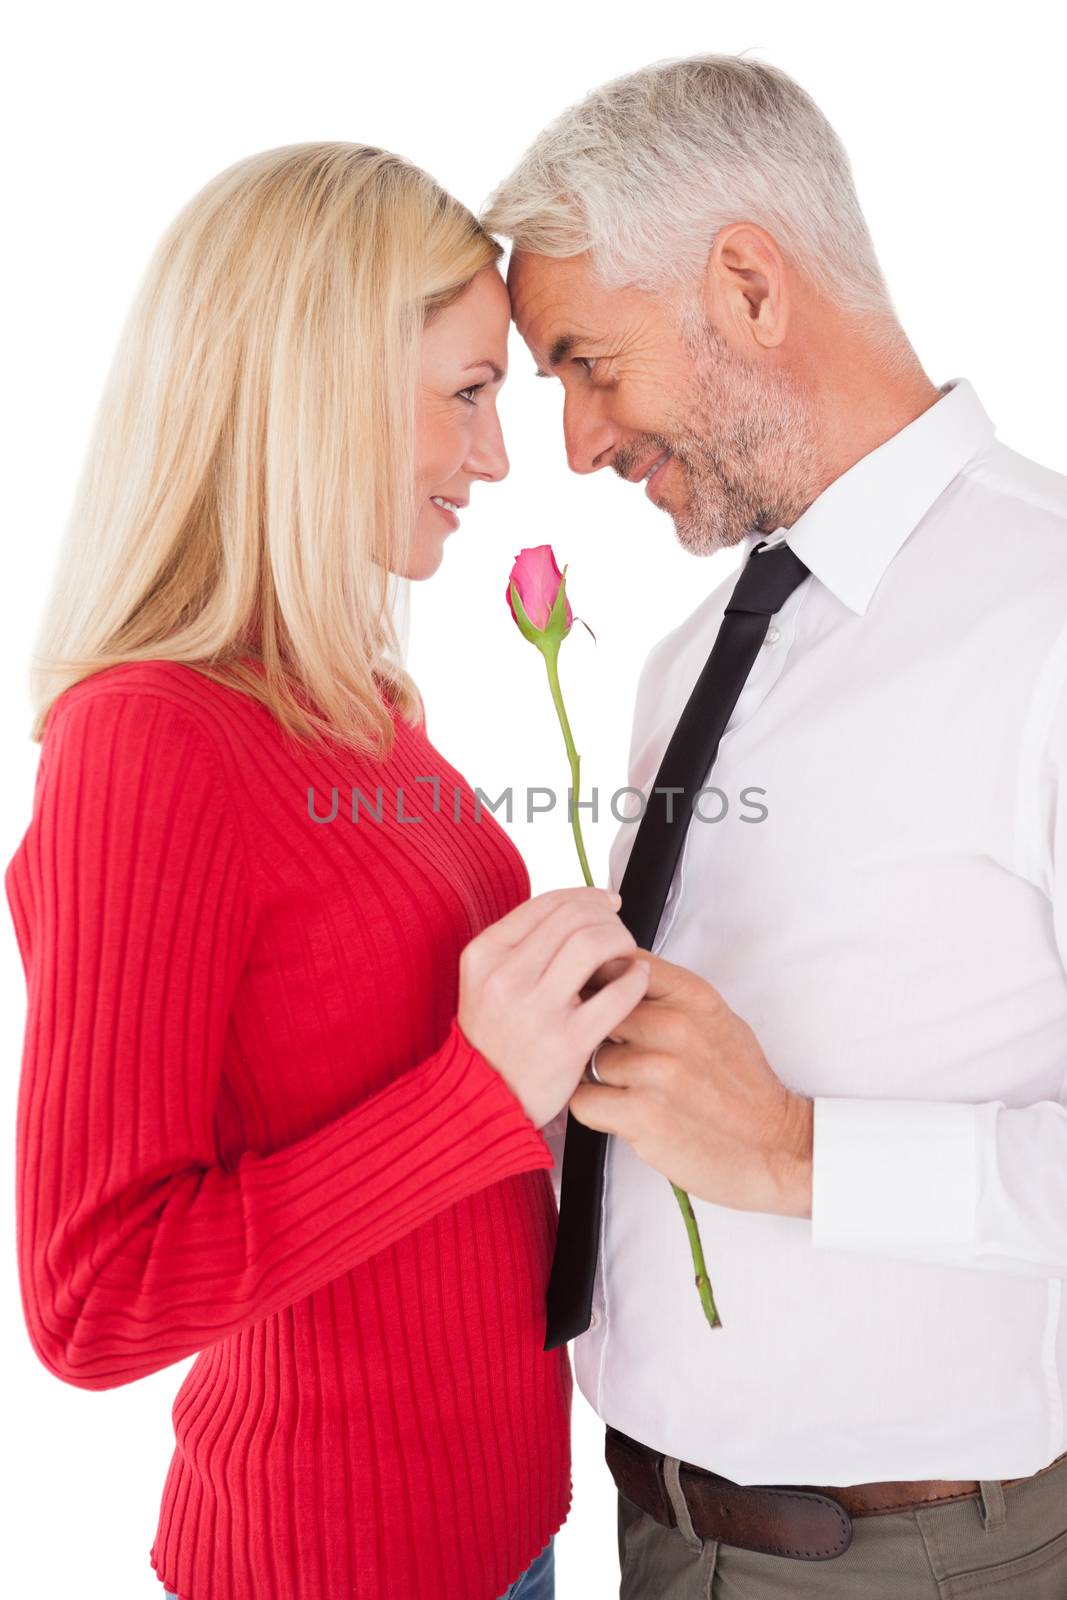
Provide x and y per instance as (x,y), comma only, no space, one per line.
(592,1068)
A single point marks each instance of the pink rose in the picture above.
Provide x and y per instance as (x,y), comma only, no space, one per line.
(537,579)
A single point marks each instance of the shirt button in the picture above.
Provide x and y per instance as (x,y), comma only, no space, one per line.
(773,635)
(594,1319)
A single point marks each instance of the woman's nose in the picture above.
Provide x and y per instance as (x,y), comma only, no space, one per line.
(490,460)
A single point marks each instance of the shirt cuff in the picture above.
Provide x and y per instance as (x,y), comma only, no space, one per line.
(895,1176)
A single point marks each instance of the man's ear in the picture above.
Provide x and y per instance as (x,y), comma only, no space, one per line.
(746,286)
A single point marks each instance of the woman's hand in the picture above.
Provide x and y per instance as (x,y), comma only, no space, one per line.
(520,992)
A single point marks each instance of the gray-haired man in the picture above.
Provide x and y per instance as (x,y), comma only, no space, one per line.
(854,1056)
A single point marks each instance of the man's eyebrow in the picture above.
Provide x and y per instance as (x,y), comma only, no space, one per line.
(559,352)
(498,376)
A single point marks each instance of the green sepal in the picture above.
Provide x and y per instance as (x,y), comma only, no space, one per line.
(556,627)
(526,627)
(548,644)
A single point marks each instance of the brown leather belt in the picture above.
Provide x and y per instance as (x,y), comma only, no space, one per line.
(807,1522)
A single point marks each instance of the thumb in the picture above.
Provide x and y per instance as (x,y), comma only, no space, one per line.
(665,977)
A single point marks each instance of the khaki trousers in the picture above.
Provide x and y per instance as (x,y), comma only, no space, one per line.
(1002,1544)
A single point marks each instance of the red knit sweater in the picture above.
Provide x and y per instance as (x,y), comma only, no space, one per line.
(250,1126)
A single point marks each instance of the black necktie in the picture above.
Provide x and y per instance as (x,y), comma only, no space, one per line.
(767,579)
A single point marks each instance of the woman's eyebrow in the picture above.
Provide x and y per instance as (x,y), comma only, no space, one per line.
(498,375)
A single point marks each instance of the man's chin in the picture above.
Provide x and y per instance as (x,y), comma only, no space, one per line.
(702,538)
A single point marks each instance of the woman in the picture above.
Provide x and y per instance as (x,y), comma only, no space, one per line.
(284,1077)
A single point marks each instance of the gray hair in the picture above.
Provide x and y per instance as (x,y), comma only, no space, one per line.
(644,172)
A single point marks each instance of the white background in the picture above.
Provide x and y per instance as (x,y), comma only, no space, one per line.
(116,114)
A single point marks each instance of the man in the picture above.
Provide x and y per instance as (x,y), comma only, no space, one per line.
(853,1051)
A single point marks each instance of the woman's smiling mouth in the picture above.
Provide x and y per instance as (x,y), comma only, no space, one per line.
(448,508)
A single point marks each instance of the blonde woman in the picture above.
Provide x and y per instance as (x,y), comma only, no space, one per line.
(285,1076)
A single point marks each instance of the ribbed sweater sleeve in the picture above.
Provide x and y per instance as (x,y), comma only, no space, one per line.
(135,909)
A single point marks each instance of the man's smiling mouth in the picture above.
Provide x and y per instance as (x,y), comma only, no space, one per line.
(653,472)
(646,473)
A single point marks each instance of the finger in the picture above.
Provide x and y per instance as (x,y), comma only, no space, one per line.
(532,958)
(648,1026)
(606,973)
(595,1019)
(615,1063)
(602,1108)
(674,995)
(581,953)
(518,923)
(611,969)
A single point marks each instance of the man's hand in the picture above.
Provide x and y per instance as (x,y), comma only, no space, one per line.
(689,1089)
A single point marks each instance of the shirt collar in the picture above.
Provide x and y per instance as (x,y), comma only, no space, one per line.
(851,532)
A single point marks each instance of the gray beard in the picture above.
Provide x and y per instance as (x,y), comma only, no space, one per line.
(753,472)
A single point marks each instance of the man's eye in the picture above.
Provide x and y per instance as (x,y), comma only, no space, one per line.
(588,362)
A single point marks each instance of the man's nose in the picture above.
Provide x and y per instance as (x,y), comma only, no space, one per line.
(589,436)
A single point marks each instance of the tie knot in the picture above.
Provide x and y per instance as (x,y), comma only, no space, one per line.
(767,579)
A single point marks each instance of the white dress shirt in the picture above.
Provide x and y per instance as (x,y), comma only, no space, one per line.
(894,930)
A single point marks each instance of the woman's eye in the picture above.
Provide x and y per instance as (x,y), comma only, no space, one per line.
(588,362)
(468,394)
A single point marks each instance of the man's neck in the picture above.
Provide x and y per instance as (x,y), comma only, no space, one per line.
(859,401)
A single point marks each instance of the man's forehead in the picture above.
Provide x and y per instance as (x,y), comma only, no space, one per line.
(554,302)
(539,283)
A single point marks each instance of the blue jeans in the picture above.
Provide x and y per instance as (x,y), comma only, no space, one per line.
(538,1582)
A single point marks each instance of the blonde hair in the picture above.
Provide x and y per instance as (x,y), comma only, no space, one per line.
(249,486)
